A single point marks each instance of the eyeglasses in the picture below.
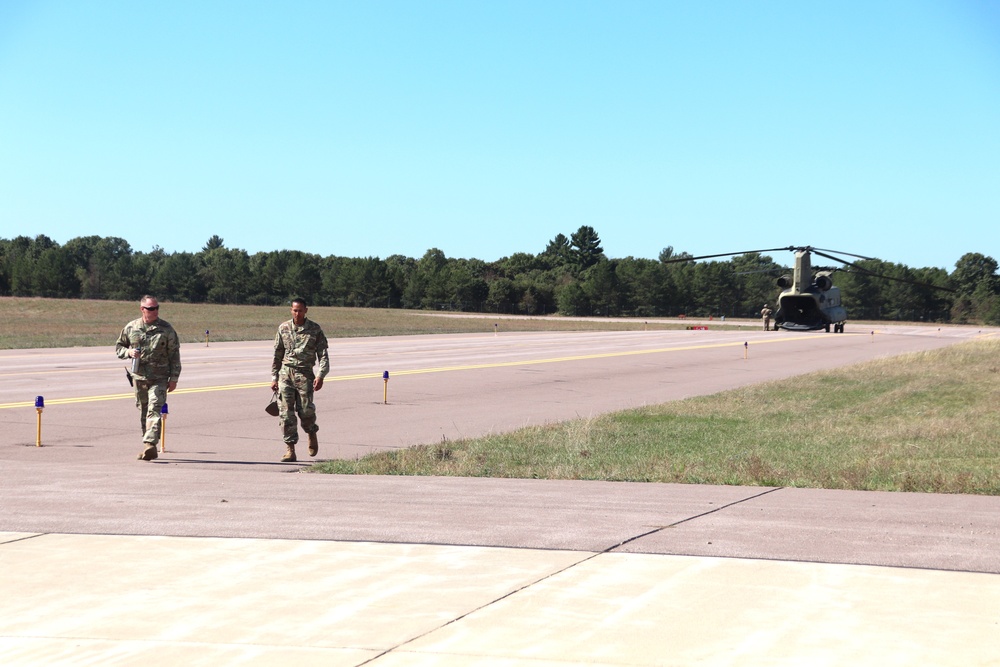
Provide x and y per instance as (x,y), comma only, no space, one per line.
(153,308)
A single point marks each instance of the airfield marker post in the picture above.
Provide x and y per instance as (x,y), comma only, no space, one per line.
(385,387)
(495,327)
(206,337)
(163,428)
(746,350)
(39,406)
(873,335)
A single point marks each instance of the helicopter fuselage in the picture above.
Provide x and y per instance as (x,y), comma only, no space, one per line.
(810,310)
(810,301)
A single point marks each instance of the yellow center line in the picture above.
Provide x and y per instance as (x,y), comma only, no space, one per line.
(415,371)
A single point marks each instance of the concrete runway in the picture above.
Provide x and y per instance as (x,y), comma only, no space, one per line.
(211,555)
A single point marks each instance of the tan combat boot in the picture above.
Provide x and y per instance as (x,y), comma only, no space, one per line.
(313,445)
(147,454)
(289,456)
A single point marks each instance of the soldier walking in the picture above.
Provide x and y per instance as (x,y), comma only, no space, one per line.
(299,344)
(155,351)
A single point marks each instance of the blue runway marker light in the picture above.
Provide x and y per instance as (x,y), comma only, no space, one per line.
(39,404)
(163,427)
(385,387)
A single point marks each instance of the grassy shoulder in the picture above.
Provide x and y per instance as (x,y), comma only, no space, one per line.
(923,422)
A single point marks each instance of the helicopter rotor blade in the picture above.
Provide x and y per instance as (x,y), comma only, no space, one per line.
(725,254)
(861,269)
(822,253)
(787,269)
(839,252)
(836,259)
(783,269)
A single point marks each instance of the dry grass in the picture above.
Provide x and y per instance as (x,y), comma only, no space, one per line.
(35,323)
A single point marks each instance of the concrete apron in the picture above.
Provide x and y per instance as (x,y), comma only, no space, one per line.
(128,600)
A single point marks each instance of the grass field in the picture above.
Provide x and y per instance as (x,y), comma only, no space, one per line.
(921,422)
(34,323)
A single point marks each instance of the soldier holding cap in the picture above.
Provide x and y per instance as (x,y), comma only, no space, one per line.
(155,351)
(299,344)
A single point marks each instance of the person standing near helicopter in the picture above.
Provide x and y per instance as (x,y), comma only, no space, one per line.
(765,313)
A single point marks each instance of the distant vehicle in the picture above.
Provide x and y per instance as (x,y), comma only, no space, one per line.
(808,300)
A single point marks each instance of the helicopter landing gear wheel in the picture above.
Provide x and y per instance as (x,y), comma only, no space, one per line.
(838,328)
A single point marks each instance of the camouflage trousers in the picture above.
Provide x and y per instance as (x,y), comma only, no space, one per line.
(150,397)
(295,397)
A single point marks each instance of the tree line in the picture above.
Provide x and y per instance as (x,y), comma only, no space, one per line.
(571,276)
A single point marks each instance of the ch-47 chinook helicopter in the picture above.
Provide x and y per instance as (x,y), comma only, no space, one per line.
(808,300)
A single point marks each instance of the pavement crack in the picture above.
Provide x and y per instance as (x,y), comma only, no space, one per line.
(558,572)
(22,539)
(512,592)
(690,518)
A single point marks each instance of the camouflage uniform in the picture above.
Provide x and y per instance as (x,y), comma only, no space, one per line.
(296,350)
(766,314)
(159,364)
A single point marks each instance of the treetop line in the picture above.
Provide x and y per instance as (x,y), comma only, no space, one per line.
(571,276)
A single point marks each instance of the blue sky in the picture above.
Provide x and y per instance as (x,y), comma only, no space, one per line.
(487,128)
